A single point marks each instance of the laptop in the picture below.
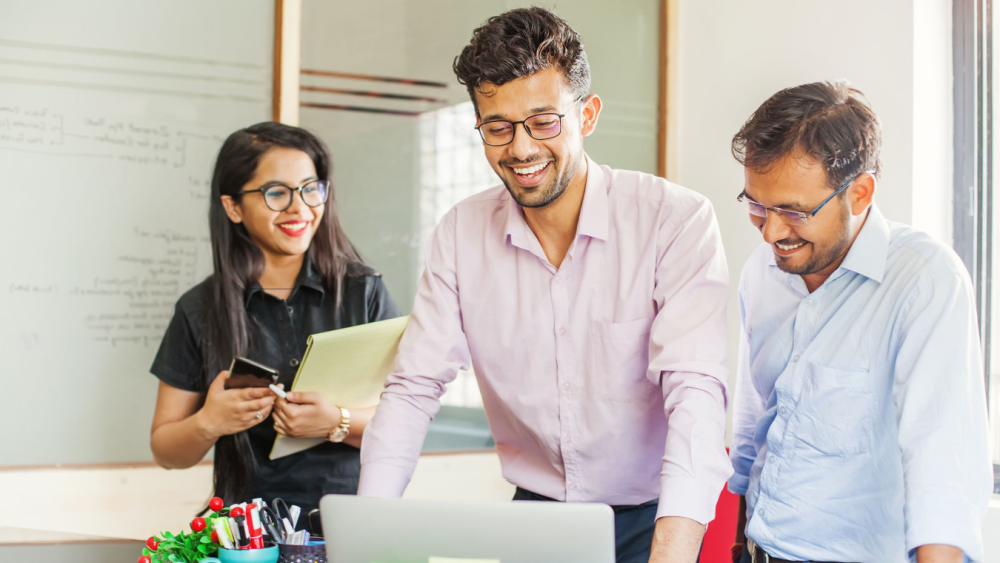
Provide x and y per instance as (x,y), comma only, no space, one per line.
(377,530)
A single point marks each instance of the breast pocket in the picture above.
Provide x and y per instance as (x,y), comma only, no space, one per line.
(836,411)
(618,359)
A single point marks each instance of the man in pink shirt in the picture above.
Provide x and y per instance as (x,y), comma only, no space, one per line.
(589,301)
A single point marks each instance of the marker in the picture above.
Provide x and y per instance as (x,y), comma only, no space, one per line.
(278,390)
(222,533)
(253,522)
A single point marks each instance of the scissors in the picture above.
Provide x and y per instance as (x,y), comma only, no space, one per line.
(272,525)
(283,516)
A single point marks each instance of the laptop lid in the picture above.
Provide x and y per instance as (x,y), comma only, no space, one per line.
(377,530)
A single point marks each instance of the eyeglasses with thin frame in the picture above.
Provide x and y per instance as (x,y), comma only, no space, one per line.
(541,127)
(278,197)
(796,218)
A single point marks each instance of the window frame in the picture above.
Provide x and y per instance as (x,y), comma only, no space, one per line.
(974,191)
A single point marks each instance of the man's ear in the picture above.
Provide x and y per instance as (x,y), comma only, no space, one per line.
(591,111)
(233,210)
(862,193)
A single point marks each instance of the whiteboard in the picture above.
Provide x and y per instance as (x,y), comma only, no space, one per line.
(111,115)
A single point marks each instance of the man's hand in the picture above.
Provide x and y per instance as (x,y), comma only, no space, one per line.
(937,553)
(676,540)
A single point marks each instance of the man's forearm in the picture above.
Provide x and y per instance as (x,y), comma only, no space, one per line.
(676,540)
(741,521)
(937,553)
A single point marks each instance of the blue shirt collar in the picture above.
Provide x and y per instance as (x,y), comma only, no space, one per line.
(870,250)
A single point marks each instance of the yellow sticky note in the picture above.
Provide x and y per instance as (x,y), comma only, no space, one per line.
(460,560)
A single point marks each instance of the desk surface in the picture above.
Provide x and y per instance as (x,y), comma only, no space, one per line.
(21,544)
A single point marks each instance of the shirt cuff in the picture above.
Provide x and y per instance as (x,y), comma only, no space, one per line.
(943,519)
(382,480)
(688,498)
(738,484)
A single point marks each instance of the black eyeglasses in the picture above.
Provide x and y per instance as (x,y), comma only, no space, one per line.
(797,218)
(278,197)
(541,126)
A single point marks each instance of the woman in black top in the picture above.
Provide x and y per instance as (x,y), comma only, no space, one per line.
(284,269)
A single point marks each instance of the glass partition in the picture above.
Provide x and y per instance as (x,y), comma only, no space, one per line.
(378,87)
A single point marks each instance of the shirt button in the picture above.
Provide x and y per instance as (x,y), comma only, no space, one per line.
(294,362)
(566,386)
(795,358)
(783,411)
(556,279)
(809,303)
(562,330)
(290,310)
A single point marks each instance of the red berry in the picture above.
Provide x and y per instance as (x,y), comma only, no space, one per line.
(215,537)
(198,524)
(152,544)
(215,504)
(144,559)
(238,511)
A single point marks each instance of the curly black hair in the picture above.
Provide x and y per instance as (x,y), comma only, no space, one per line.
(520,43)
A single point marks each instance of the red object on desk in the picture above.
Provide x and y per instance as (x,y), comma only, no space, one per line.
(721,532)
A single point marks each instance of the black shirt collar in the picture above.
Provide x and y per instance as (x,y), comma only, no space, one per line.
(309,277)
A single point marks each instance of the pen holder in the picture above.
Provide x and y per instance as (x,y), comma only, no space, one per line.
(315,552)
(266,555)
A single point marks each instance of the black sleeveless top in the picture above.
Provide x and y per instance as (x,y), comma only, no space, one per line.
(278,339)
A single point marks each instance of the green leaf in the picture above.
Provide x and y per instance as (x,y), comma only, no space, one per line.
(206,539)
(188,543)
(203,548)
(146,551)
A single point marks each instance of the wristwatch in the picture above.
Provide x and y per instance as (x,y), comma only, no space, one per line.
(340,433)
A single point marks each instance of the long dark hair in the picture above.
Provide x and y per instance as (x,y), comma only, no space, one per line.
(238,263)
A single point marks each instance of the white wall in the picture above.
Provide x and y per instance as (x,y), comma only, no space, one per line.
(733,55)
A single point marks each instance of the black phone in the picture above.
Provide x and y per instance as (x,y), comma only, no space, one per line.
(248,373)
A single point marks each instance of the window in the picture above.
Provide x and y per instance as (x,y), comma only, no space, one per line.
(976,211)
(452,168)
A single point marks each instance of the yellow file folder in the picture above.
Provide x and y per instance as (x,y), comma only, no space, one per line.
(349,366)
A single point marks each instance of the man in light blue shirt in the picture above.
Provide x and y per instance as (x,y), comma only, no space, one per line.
(860,428)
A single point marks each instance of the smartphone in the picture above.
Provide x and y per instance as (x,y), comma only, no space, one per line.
(248,373)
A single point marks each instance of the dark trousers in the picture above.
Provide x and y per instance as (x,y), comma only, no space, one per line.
(634,525)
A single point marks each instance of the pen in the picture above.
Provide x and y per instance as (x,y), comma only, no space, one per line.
(278,390)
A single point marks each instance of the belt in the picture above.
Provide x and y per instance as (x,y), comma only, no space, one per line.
(758,555)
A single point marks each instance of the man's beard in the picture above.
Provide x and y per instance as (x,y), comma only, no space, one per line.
(542,195)
(821,260)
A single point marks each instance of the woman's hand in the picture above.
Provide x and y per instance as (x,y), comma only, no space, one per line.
(229,411)
(305,415)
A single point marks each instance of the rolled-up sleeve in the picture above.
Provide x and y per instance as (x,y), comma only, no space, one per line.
(747,409)
(687,354)
(431,352)
(941,413)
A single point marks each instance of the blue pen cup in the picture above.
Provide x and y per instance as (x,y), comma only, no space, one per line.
(266,555)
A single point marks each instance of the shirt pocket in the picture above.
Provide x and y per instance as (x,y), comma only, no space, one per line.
(618,359)
(836,412)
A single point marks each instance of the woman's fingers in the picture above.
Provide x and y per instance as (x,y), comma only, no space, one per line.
(254,393)
(259,404)
(282,417)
